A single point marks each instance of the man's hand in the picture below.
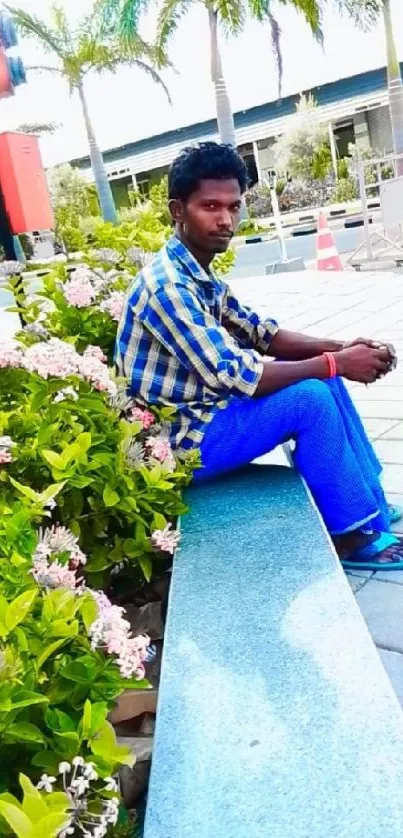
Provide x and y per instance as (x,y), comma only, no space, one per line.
(363,362)
(374,344)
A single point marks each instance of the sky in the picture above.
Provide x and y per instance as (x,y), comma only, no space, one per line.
(128,105)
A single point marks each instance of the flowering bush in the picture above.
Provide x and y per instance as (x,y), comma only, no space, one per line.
(89,494)
(65,423)
(66,654)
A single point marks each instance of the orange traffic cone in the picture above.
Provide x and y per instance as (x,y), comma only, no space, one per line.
(328,257)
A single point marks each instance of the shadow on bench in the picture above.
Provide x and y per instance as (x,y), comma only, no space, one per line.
(276,718)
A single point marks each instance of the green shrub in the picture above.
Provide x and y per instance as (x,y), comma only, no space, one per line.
(345,190)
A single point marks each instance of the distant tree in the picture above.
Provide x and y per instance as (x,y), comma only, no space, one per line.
(303,151)
(89,48)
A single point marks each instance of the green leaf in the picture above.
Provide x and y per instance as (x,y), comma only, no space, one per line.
(84,442)
(82,671)
(50,826)
(33,803)
(110,497)
(59,722)
(16,819)
(19,608)
(146,566)
(54,459)
(63,628)
(89,610)
(68,744)
(159,521)
(105,746)
(87,715)
(25,731)
(25,698)
(24,490)
(52,491)
(49,650)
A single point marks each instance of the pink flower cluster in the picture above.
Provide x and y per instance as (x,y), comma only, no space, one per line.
(47,570)
(54,575)
(94,370)
(10,355)
(58,359)
(58,540)
(166,540)
(112,633)
(145,417)
(79,290)
(113,305)
(6,443)
(52,359)
(159,449)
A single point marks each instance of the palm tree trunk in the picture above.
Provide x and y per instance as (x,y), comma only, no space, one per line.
(395,86)
(102,184)
(225,119)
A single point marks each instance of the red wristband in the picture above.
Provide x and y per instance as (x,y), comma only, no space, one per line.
(331,363)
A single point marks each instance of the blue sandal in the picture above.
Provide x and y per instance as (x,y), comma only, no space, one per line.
(366,557)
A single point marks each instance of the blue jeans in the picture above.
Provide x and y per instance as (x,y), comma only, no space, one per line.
(332,452)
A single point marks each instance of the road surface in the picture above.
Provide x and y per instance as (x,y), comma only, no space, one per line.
(253,258)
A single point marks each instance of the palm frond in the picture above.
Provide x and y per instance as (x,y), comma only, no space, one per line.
(275,37)
(121,17)
(31,26)
(170,14)
(231,14)
(154,75)
(312,12)
(38,128)
(364,13)
(43,68)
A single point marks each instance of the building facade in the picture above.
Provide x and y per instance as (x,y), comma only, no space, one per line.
(355,108)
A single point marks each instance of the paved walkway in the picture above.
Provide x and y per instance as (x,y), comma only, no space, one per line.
(348,305)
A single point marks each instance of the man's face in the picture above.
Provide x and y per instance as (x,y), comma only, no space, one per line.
(211,215)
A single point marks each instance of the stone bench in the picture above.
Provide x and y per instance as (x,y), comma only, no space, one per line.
(276,718)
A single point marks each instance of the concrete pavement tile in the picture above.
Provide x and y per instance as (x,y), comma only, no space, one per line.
(381,604)
(394,433)
(394,577)
(392,478)
(390,451)
(393,663)
(381,410)
(377,427)
(356,583)
(373,393)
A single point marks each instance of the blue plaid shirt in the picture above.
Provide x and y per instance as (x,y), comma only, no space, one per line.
(184,341)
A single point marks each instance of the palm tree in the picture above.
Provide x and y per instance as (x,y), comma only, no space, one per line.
(230,15)
(88,48)
(395,85)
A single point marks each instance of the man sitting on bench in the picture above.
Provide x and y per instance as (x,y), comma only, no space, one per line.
(184,340)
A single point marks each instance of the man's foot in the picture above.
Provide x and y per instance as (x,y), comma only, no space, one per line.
(395,513)
(379,551)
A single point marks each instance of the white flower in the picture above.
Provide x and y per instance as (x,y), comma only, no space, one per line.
(67,392)
(78,761)
(46,783)
(89,771)
(80,785)
(64,767)
(110,784)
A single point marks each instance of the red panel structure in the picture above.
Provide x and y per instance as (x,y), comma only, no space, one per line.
(23,183)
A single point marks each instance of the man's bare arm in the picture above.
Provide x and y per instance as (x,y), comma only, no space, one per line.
(292,346)
(357,363)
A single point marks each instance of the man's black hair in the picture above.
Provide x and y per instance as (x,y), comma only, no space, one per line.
(206,161)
